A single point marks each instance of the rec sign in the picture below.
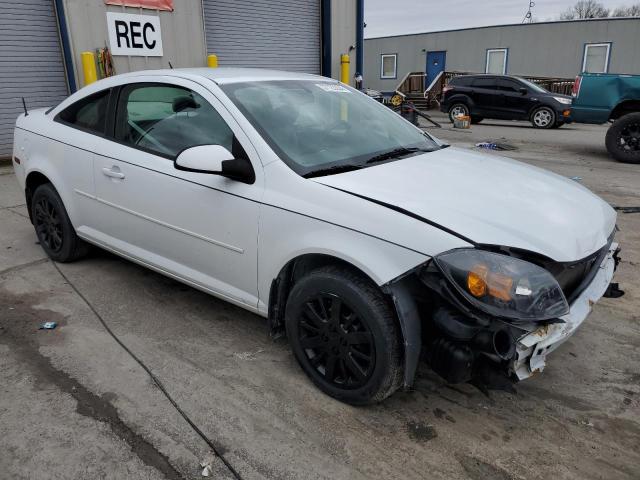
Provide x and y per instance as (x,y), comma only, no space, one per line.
(134,34)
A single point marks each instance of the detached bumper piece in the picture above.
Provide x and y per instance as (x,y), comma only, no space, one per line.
(532,349)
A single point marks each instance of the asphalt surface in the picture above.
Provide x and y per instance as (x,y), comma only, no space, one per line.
(74,404)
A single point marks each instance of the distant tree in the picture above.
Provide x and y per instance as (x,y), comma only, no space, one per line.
(632,11)
(585,9)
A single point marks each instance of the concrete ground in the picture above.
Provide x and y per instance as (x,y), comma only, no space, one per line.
(74,405)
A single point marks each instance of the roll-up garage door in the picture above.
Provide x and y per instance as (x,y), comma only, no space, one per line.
(31,64)
(279,34)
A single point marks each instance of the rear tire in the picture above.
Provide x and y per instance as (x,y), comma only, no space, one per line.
(53,228)
(543,117)
(458,109)
(623,138)
(344,335)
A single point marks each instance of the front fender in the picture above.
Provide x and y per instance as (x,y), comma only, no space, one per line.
(380,260)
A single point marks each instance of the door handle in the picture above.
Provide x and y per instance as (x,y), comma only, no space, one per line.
(109,172)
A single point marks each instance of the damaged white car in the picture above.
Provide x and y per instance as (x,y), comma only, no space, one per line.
(356,234)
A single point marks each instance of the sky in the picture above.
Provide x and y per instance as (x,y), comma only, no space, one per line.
(396,17)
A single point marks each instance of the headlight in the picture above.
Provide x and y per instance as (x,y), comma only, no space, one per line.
(504,286)
(564,101)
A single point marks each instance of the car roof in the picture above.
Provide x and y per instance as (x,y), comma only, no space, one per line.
(487,75)
(225,75)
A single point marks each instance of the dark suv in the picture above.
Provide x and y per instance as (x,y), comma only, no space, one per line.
(506,98)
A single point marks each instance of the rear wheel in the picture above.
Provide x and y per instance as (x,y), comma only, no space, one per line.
(458,109)
(543,117)
(53,227)
(623,138)
(343,333)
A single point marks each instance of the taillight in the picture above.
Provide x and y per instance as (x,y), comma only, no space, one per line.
(576,86)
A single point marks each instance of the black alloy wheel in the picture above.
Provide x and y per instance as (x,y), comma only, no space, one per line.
(623,138)
(336,342)
(343,332)
(53,227)
(46,221)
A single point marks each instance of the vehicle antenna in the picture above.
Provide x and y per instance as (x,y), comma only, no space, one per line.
(24,105)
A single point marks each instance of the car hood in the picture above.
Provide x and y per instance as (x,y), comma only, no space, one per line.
(489,200)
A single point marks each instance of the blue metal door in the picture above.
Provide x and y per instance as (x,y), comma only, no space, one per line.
(435,65)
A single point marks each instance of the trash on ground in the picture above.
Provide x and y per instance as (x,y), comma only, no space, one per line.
(207,471)
(576,179)
(462,121)
(205,464)
(495,146)
(48,326)
(248,355)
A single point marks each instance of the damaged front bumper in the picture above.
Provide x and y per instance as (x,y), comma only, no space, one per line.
(532,349)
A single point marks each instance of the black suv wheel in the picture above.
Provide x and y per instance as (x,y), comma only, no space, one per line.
(343,333)
(53,227)
(623,138)
(458,109)
(543,117)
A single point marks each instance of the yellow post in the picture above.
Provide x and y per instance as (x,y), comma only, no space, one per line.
(344,68)
(89,67)
(212,61)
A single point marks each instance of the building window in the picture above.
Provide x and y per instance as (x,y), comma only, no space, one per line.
(388,64)
(596,58)
(496,61)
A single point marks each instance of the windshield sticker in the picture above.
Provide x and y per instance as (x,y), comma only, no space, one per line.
(332,87)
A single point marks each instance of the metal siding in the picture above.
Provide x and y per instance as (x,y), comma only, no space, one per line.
(31,63)
(557,52)
(280,34)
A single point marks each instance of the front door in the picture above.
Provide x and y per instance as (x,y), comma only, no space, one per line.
(513,102)
(195,226)
(435,65)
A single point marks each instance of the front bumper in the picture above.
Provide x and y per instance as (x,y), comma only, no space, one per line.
(533,348)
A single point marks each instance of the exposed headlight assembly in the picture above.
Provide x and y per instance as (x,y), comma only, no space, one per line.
(504,286)
(564,101)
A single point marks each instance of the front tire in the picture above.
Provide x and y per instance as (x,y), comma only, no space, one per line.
(344,335)
(623,138)
(53,228)
(543,117)
(458,109)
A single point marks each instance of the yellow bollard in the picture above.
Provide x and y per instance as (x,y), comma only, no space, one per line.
(89,67)
(344,68)
(212,61)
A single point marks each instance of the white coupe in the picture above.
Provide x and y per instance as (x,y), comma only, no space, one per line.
(356,234)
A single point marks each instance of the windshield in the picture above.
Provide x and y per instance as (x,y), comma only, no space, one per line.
(533,86)
(322,127)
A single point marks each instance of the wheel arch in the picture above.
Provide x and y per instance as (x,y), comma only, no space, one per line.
(294,269)
(397,291)
(34,179)
(460,98)
(624,107)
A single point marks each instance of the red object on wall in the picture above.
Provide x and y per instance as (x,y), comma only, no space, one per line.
(152,4)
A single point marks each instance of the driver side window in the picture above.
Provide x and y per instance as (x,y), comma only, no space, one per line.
(166,119)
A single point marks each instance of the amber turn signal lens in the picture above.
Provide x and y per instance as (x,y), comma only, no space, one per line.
(500,286)
(480,281)
(476,281)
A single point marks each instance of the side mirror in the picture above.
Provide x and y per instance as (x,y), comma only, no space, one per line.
(523,91)
(215,160)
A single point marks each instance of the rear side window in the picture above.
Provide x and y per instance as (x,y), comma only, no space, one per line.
(90,113)
(509,86)
(461,81)
(167,119)
(489,83)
